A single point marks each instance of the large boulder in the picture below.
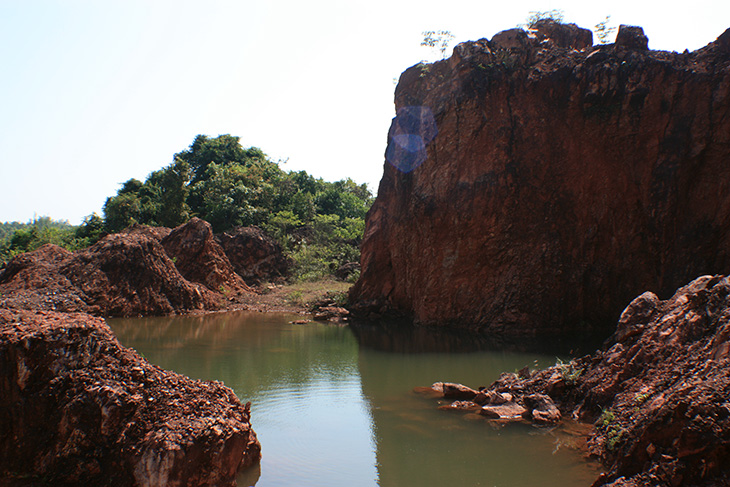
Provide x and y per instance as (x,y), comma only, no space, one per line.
(560,184)
(80,409)
(200,258)
(255,256)
(632,37)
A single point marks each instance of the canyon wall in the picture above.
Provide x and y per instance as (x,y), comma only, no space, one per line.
(534,183)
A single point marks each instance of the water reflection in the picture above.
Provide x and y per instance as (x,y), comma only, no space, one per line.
(330,411)
(308,409)
(402,337)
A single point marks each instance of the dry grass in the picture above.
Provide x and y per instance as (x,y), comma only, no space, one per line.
(296,298)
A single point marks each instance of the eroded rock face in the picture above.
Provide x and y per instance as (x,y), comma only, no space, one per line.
(561,183)
(200,258)
(79,409)
(665,388)
(254,255)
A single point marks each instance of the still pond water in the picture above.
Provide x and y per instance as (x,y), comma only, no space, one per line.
(333,406)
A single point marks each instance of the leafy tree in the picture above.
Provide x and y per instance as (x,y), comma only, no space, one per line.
(603,31)
(40,231)
(556,15)
(122,210)
(172,183)
(92,228)
(218,180)
(220,150)
(438,40)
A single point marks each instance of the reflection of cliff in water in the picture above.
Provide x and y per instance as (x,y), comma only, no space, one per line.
(417,444)
(403,337)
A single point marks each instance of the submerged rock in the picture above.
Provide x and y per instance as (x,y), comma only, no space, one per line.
(80,409)
(509,411)
(541,409)
(451,390)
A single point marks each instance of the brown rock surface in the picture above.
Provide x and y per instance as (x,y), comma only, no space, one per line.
(561,184)
(632,37)
(131,274)
(568,36)
(451,390)
(509,411)
(126,274)
(121,275)
(200,258)
(254,255)
(158,233)
(79,409)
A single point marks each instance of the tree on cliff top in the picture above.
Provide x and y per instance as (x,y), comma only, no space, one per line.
(438,40)
(556,15)
(603,31)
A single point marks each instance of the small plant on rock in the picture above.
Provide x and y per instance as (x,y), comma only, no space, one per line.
(569,371)
(607,417)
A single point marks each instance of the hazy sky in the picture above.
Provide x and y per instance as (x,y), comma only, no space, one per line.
(95,92)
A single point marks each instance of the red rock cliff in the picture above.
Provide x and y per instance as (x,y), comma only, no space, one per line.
(535,184)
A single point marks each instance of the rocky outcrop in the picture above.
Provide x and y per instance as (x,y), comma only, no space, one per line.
(657,393)
(158,233)
(141,271)
(128,275)
(533,187)
(255,256)
(79,409)
(199,257)
(121,275)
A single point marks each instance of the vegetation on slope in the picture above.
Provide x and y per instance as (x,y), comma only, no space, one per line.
(319,223)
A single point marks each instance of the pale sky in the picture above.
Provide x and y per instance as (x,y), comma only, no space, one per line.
(95,92)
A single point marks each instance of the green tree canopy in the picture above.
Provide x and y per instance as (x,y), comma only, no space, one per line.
(219,181)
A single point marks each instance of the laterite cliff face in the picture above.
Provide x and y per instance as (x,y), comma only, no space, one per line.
(541,184)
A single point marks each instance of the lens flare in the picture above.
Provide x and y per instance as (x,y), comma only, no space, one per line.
(412,129)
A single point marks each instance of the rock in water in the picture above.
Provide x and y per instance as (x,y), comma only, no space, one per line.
(80,409)
(559,184)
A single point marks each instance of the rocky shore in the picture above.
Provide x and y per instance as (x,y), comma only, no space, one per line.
(657,394)
(77,408)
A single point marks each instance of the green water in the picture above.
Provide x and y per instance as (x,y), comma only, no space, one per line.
(332,410)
